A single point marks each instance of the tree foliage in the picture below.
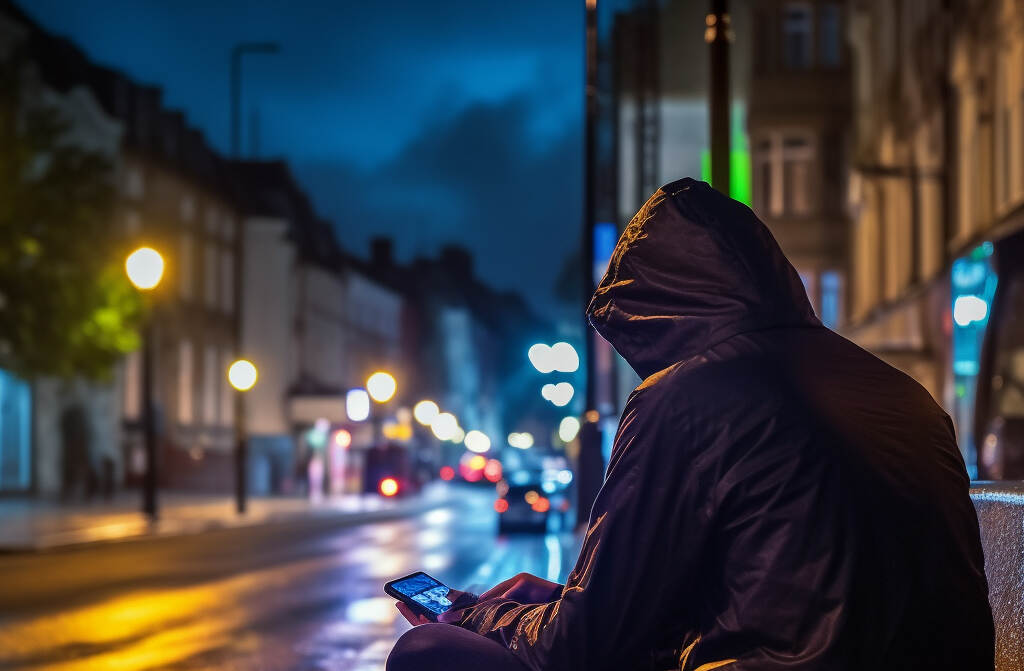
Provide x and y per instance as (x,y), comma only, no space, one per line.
(66,307)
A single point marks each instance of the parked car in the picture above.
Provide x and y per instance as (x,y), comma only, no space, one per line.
(528,502)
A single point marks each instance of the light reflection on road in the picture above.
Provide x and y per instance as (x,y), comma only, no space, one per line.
(320,607)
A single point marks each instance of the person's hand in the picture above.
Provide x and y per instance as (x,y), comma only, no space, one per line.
(524,588)
(416,618)
(409,614)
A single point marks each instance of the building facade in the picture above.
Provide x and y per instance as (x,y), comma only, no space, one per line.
(937,195)
(798,124)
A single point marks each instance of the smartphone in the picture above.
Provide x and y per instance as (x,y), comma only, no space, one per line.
(423,593)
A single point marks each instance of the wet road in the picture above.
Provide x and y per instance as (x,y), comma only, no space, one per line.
(300,595)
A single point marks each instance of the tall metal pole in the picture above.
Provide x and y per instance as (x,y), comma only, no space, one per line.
(241,454)
(589,192)
(241,437)
(717,33)
(149,479)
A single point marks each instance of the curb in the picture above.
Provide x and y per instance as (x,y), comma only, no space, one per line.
(338,519)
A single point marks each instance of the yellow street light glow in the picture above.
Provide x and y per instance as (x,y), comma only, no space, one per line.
(444,426)
(425,412)
(144,267)
(242,375)
(477,441)
(459,435)
(381,386)
(568,428)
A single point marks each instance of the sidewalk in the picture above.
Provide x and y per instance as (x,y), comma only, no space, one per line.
(27,525)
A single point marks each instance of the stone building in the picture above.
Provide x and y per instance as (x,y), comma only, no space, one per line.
(937,195)
(798,122)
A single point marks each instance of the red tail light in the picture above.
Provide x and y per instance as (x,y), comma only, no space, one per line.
(541,505)
(501,505)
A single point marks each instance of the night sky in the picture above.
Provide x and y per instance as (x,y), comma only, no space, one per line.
(453,120)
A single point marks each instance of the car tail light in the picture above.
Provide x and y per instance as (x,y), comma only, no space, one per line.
(388,487)
(501,505)
(541,505)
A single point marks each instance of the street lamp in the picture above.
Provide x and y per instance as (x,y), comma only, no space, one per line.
(144,268)
(381,386)
(242,376)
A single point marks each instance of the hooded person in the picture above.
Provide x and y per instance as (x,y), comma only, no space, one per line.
(776,498)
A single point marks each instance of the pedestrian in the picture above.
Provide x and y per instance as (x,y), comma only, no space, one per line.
(776,498)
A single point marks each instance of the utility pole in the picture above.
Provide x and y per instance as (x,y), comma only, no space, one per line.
(589,192)
(718,33)
(589,460)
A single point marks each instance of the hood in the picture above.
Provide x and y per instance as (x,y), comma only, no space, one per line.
(693,268)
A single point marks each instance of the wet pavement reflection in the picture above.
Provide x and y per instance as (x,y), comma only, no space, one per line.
(303,595)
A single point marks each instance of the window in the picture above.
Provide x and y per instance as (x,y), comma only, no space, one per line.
(185,402)
(796,36)
(831,298)
(212,221)
(783,170)
(210,275)
(185,266)
(210,392)
(188,208)
(829,35)
(132,222)
(227,281)
(134,185)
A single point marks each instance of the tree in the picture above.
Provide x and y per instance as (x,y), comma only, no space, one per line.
(66,307)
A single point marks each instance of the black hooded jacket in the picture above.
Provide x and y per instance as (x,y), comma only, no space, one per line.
(777,498)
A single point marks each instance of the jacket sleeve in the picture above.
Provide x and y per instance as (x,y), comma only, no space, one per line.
(629,569)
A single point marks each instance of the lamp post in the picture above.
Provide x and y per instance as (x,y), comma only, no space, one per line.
(381,387)
(144,268)
(237,52)
(242,375)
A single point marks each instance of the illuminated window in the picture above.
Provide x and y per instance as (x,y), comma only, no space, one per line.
(829,35)
(185,401)
(831,298)
(783,168)
(796,36)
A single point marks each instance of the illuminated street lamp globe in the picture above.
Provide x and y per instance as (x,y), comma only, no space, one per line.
(144,268)
(381,386)
(568,428)
(242,375)
(425,412)
(444,426)
(477,441)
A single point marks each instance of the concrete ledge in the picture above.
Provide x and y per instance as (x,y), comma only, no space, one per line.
(1000,507)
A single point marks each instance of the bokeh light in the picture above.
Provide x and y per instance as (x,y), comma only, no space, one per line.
(242,375)
(444,426)
(357,405)
(381,386)
(425,412)
(568,428)
(144,267)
